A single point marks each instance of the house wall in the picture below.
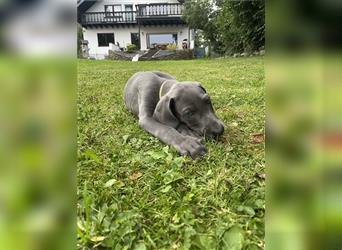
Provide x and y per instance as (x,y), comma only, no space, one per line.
(99,5)
(123,37)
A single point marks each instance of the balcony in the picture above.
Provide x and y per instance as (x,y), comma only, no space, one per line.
(101,18)
(153,14)
(146,14)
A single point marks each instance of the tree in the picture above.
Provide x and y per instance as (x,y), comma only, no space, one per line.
(196,13)
(242,25)
(79,40)
(200,15)
(229,26)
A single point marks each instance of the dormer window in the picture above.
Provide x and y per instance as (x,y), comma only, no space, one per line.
(110,9)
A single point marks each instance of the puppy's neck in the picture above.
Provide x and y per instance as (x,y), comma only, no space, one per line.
(166,86)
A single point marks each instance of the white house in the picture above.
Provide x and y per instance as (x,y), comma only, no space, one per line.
(145,23)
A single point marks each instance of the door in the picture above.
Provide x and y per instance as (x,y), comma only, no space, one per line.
(135,39)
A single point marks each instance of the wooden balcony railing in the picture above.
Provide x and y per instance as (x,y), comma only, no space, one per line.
(150,10)
(109,17)
(146,11)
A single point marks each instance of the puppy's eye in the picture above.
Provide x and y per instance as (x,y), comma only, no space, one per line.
(207,100)
(189,113)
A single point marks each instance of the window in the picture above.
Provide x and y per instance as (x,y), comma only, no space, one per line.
(129,12)
(110,9)
(159,39)
(128,7)
(104,39)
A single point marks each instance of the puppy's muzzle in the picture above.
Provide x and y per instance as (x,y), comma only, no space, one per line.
(218,130)
(214,130)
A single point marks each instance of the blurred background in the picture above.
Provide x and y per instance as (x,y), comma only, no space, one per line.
(37,124)
(38,73)
(304,125)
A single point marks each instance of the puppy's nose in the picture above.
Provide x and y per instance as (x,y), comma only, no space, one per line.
(219,130)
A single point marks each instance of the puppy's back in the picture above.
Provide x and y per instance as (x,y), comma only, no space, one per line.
(141,83)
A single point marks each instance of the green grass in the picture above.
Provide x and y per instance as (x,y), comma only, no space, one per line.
(134,192)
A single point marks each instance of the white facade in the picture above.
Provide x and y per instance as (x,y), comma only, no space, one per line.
(122,33)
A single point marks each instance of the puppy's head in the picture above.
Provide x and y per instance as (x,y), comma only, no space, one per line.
(188,103)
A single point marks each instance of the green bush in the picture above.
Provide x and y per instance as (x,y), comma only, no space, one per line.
(131,48)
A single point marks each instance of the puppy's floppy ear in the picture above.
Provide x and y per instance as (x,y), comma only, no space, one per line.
(165,112)
(200,86)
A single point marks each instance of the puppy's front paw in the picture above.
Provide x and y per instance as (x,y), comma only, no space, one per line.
(191,146)
(184,130)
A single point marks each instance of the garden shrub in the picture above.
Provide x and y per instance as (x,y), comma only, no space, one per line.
(131,48)
(171,47)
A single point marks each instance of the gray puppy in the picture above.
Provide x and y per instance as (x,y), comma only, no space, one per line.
(178,113)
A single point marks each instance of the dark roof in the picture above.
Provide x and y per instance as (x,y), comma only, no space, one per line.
(84,5)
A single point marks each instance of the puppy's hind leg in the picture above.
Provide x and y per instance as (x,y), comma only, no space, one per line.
(164,75)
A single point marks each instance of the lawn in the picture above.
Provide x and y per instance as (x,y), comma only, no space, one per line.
(134,192)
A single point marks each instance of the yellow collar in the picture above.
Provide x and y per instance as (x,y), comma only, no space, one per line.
(161,89)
